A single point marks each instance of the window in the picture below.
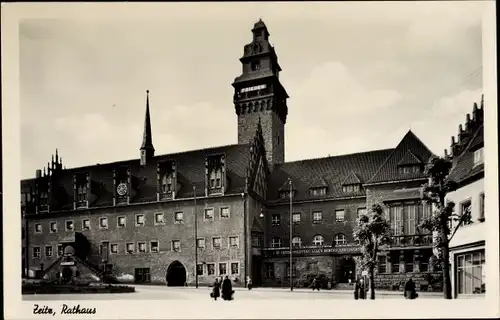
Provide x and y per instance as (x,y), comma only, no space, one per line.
(410,169)
(199,269)
(215,178)
(410,218)
(209,214)
(276,242)
(53,227)
(318,240)
(38,228)
(275,219)
(44,199)
(361,212)
(256,241)
(222,269)
(395,267)
(141,247)
(269,270)
(36,252)
(154,246)
(340,240)
(409,267)
(48,251)
(466,208)
(130,247)
(396,219)
(85,224)
(70,226)
(113,248)
(235,268)
(60,251)
(382,264)
(179,217)
(296,242)
(176,245)
(317,192)
(339,215)
(103,223)
(224,213)
(211,269)
(166,183)
(139,220)
(216,242)
(288,269)
(471,272)
(481,207)
(296,218)
(424,267)
(121,222)
(159,218)
(255,65)
(317,217)
(200,243)
(233,241)
(351,188)
(82,195)
(479,156)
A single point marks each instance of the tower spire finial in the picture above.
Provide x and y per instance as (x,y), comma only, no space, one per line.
(147,149)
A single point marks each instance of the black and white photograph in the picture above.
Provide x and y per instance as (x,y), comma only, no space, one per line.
(250,160)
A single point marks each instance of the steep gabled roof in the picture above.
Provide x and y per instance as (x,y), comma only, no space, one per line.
(464,167)
(190,167)
(352,178)
(333,170)
(389,170)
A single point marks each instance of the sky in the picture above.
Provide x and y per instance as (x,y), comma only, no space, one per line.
(359,76)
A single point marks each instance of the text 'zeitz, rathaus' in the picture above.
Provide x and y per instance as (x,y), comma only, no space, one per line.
(185,218)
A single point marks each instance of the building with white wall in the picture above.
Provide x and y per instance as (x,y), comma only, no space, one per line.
(467,247)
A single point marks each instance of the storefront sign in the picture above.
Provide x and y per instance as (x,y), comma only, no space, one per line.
(67,263)
(278,252)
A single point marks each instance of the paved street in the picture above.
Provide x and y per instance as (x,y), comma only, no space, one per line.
(172,293)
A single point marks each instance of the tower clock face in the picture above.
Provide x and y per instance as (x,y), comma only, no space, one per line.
(122,189)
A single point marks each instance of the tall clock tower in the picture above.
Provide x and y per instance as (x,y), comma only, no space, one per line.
(259,95)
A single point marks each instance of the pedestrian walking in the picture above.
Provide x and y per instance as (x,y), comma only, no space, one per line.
(410,291)
(362,289)
(227,289)
(356,289)
(215,290)
(249,283)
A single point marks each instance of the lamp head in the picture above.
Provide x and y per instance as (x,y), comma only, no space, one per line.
(261,215)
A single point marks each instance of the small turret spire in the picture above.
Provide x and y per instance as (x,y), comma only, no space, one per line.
(57,155)
(147,149)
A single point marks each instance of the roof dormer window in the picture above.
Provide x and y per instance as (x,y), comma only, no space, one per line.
(317,192)
(215,174)
(407,169)
(351,188)
(479,156)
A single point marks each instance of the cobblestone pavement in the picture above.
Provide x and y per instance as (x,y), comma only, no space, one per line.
(169,293)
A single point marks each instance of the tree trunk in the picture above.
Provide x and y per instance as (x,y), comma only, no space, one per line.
(446,272)
(372,283)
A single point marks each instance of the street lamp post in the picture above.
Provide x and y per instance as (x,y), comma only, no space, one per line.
(291,235)
(195,238)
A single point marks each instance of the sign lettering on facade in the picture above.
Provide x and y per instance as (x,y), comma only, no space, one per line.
(313,251)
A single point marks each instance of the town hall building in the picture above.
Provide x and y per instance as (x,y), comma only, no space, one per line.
(186,218)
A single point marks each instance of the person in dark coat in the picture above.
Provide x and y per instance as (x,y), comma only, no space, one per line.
(249,283)
(356,289)
(362,289)
(410,292)
(216,290)
(227,289)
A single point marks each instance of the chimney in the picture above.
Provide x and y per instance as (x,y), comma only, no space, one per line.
(446,153)
(38,173)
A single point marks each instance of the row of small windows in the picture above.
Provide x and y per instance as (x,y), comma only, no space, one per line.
(140,220)
(318,240)
(141,247)
(211,269)
(317,216)
(321,191)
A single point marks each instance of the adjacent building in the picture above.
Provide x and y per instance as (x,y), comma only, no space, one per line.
(467,247)
(186,217)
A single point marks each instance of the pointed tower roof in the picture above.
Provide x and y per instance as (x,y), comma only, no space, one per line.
(147,139)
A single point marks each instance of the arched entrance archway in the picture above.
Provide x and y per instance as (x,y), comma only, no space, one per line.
(347,269)
(176,274)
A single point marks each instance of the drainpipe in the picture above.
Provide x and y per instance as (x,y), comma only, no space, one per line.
(245,245)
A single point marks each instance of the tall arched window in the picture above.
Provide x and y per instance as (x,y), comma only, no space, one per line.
(318,240)
(82,192)
(296,242)
(166,183)
(340,240)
